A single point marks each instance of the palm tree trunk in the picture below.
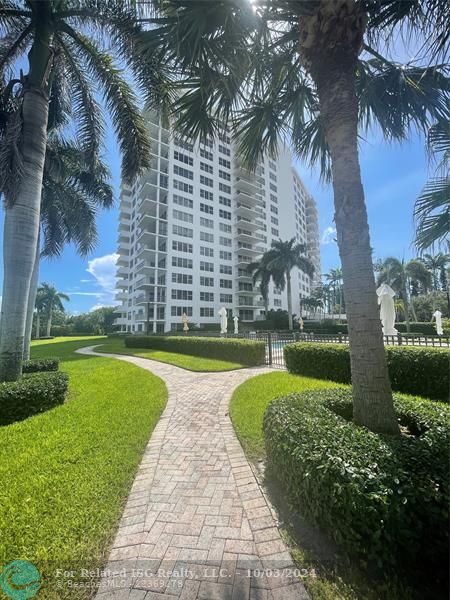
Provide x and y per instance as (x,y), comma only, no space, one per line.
(21,235)
(289,300)
(406,303)
(38,325)
(49,319)
(31,303)
(333,68)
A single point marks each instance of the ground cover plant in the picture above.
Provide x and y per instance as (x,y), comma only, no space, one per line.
(116,345)
(67,472)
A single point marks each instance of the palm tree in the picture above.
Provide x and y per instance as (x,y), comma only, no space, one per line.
(282,257)
(67,48)
(432,208)
(437,265)
(72,194)
(40,306)
(335,279)
(51,300)
(313,72)
(399,274)
(261,273)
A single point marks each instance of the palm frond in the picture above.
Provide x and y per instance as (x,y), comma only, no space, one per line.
(121,102)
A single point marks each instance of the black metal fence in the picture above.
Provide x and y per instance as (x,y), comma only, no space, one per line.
(277,340)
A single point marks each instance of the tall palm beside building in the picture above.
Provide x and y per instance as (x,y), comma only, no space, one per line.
(73,192)
(314,71)
(282,257)
(72,50)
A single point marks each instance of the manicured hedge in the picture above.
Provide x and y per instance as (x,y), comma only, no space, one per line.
(36,365)
(384,499)
(245,352)
(30,395)
(325,327)
(423,328)
(412,369)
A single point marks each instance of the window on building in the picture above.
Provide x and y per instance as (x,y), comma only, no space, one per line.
(206,266)
(225,241)
(225,201)
(206,237)
(177,311)
(206,154)
(224,175)
(183,263)
(206,181)
(205,251)
(224,188)
(182,216)
(181,294)
(207,281)
(223,162)
(206,167)
(184,158)
(182,278)
(181,247)
(182,231)
(182,201)
(226,298)
(224,214)
(183,172)
(206,195)
(207,223)
(224,255)
(225,227)
(226,269)
(206,297)
(206,208)
(226,283)
(183,187)
(206,311)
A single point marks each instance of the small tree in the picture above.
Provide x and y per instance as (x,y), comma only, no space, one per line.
(51,300)
(282,257)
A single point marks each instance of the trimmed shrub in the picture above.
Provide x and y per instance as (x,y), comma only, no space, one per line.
(422,328)
(36,365)
(325,327)
(31,395)
(245,352)
(382,498)
(412,369)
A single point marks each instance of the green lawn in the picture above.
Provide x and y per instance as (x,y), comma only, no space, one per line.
(66,473)
(336,578)
(185,361)
(250,400)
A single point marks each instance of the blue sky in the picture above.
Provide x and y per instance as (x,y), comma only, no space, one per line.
(393,175)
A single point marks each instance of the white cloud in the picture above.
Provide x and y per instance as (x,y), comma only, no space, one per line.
(328,236)
(103,269)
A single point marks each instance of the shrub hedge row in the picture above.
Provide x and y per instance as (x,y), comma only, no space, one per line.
(31,395)
(245,352)
(412,369)
(36,365)
(384,499)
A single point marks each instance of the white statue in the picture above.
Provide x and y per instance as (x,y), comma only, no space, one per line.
(236,324)
(387,309)
(438,316)
(184,320)
(301,324)
(223,319)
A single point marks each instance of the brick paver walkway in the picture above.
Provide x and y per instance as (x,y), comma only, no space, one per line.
(196,524)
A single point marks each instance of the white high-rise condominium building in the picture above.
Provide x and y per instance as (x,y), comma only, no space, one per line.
(191,225)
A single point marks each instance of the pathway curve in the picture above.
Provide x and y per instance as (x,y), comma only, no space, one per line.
(196,524)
